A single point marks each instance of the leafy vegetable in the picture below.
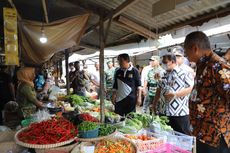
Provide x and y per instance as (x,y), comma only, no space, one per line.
(106,129)
(79,100)
(87,126)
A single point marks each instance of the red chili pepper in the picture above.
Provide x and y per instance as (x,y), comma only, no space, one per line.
(49,132)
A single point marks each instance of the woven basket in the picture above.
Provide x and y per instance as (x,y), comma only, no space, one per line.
(5,147)
(67,148)
(46,146)
(122,138)
(77,149)
(96,139)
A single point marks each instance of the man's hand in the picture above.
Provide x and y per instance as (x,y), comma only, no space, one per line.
(139,101)
(144,91)
(169,96)
(113,102)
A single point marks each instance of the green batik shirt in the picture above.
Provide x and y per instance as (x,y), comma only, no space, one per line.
(26,98)
(152,82)
(109,76)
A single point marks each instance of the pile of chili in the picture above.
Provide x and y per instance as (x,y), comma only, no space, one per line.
(49,132)
(88,117)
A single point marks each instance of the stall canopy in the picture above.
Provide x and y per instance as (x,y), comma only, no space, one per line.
(61,34)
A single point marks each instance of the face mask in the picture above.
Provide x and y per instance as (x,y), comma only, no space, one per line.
(165,66)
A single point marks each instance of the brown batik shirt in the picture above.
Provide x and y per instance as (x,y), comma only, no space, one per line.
(210,104)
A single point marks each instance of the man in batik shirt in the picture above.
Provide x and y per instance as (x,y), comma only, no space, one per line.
(210,108)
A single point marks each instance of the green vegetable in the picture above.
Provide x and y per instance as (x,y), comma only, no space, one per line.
(106,129)
(128,130)
(130,122)
(163,121)
(87,126)
(79,100)
(144,118)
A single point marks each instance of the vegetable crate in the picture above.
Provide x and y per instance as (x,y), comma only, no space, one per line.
(147,145)
(168,148)
(181,140)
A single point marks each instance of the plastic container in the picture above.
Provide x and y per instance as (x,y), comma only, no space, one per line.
(148,145)
(181,140)
(89,134)
(168,148)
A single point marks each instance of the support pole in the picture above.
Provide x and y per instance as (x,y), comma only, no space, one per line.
(67,70)
(56,75)
(101,61)
(60,68)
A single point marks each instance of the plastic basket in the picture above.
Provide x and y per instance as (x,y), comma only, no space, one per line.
(144,146)
(168,148)
(181,140)
(89,134)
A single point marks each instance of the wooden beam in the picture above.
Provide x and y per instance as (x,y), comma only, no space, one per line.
(129,28)
(121,8)
(101,62)
(45,11)
(137,27)
(126,36)
(67,71)
(60,68)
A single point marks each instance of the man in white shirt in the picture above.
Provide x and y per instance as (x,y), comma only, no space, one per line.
(95,78)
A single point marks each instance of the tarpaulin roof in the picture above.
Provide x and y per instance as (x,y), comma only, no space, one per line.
(61,34)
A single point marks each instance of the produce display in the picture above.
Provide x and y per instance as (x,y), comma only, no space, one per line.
(106,129)
(80,100)
(142,137)
(87,126)
(112,146)
(88,117)
(144,118)
(111,117)
(49,132)
(160,124)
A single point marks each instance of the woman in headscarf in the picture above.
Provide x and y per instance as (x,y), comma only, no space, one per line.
(26,95)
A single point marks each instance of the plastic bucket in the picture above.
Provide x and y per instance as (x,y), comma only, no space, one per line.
(89,134)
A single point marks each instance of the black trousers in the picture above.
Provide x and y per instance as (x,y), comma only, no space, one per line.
(180,124)
(205,148)
(125,106)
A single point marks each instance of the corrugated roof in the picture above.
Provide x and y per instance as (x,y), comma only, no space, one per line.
(142,12)
(139,12)
(109,4)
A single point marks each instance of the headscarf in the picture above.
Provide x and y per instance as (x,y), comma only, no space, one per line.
(26,75)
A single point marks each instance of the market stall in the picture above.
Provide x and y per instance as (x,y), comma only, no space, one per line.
(72,125)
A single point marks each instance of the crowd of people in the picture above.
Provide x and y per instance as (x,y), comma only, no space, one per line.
(194,92)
